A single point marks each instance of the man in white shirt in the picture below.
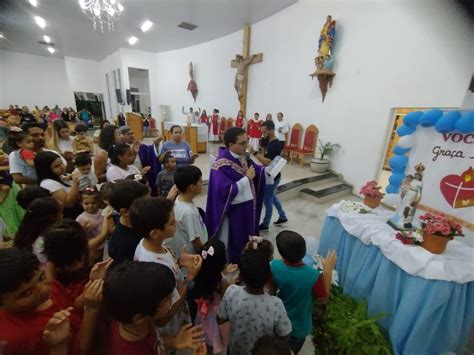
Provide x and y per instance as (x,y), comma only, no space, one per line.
(281,129)
(16,163)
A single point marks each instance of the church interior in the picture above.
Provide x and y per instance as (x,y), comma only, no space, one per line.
(355,119)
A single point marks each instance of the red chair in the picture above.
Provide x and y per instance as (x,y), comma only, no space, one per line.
(295,140)
(309,143)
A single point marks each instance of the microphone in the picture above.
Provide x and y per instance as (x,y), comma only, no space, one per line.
(248,158)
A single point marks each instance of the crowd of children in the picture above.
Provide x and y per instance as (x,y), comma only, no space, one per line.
(108,269)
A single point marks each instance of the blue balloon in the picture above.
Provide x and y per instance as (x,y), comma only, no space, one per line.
(466,123)
(392,189)
(413,118)
(400,151)
(398,162)
(430,118)
(400,170)
(405,130)
(396,179)
(447,123)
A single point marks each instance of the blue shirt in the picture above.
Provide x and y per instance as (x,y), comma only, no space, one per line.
(295,285)
(181,151)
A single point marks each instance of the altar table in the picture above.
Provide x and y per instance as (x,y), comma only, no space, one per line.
(428,299)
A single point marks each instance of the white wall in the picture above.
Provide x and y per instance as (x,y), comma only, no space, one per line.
(132,58)
(388,54)
(213,75)
(83,75)
(106,66)
(143,86)
(35,80)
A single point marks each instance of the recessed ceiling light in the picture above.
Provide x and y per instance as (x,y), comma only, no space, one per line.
(40,21)
(33,2)
(51,50)
(132,40)
(146,25)
(47,39)
(120,7)
(2,36)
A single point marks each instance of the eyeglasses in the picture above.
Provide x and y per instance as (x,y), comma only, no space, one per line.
(243,143)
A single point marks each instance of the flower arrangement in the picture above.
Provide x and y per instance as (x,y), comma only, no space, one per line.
(371,189)
(355,207)
(440,225)
(410,238)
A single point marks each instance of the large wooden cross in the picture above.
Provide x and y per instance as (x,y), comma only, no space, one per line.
(242,63)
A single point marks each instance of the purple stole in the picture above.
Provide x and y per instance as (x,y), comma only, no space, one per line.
(148,158)
(244,218)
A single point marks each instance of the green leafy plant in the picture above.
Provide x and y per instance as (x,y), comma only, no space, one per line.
(326,149)
(343,327)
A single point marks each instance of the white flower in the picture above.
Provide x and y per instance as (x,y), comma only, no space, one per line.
(417,236)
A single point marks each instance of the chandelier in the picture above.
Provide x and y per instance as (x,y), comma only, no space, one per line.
(103,13)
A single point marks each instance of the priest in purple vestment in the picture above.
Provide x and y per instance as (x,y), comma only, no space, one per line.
(235,195)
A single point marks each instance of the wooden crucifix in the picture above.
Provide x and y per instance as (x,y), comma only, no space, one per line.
(242,63)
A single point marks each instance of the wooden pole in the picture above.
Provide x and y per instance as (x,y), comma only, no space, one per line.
(246,53)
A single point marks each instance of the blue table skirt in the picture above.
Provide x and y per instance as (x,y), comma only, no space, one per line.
(424,316)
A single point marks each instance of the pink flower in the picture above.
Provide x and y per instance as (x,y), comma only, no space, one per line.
(371,189)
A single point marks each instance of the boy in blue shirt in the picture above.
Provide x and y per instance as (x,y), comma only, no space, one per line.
(297,284)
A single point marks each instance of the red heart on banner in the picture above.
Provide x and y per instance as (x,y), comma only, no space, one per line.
(458,190)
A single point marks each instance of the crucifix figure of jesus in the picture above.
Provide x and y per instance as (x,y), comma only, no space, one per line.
(242,63)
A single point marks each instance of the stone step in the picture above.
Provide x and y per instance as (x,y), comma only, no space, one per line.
(291,190)
(326,193)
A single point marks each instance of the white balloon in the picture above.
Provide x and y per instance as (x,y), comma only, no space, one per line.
(392,199)
(406,141)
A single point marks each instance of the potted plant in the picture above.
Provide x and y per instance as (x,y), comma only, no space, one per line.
(320,165)
(372,194)
(437,231)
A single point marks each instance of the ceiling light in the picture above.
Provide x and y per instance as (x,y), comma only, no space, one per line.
(40,22)
(33,2)
(51,50)
(2,36)
(146,25)
(132,40)
(103,13)
(47,39)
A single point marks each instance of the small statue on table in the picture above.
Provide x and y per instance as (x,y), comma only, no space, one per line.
(412,189)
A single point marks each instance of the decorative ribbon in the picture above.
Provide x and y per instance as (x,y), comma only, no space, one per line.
(209,252)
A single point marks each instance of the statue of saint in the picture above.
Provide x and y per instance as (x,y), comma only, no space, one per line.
(241,64)
(192,86)
(411,196)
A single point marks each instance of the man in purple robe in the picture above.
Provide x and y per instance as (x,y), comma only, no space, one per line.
(235,195)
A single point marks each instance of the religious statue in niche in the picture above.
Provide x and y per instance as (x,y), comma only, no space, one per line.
(324,61)
(192,86)
(241,64)
(411,191)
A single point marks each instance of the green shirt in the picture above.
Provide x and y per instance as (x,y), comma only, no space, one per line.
(295,288)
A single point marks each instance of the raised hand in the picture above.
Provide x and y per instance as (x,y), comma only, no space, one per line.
(93,293)
(251,173)
(189,337)
(174,192)
(99,270)
(329,262)
(57,330)
(145,170)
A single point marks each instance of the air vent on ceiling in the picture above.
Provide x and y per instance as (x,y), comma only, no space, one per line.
(187,26)
(46,43)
